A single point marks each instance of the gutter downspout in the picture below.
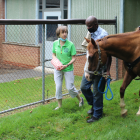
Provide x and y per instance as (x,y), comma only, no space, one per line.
(37,26)
(69,17)
(121,31)
(116,57)
(122,16)
(5,18)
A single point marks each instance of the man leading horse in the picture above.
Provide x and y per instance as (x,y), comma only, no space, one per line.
(125,46)
(95,98)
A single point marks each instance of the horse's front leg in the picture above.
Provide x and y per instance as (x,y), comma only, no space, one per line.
(126,81)
(138,113)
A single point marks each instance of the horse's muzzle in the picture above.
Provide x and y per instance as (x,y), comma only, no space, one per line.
(87,76)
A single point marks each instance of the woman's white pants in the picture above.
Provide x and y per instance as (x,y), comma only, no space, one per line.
(69,80)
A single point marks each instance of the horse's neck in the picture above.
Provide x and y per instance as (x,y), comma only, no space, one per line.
(116,48)
(124,46)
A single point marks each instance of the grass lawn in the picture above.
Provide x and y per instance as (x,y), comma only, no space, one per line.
(24,91)
(69,122)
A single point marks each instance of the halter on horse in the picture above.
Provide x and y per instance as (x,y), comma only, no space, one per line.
(125,46)
(99,64)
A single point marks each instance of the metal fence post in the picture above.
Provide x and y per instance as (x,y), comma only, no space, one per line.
(117,74)
(43,64)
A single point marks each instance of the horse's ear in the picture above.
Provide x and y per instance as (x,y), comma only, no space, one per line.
(93,42)
(87,40)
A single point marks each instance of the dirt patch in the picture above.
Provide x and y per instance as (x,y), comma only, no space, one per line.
(4,69)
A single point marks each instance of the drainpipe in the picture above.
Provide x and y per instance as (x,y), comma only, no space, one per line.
(37,26)
(116,57)
(122,16)
(5,18)
(69,17)
(69,9)
(121,31)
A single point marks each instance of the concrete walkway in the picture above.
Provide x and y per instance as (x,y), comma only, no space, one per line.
(22,74)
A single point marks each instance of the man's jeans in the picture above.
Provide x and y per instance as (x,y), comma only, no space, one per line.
(94,98)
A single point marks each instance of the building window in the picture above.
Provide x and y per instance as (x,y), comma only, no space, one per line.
(40,4)
(52,3)
(65,4)
(50,30)
(65,9)
(55,4)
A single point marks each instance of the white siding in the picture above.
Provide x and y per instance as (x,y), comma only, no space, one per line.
(21,9)
(101,9)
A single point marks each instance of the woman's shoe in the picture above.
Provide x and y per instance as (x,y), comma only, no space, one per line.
(56,108)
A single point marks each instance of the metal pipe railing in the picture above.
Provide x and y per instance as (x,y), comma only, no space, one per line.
(48,21)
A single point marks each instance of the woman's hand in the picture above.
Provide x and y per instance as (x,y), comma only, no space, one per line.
(72,61)
(63,67)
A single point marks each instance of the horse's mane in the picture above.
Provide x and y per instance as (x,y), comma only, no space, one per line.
(121,35)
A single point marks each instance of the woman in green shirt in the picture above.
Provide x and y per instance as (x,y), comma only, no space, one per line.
(65,51)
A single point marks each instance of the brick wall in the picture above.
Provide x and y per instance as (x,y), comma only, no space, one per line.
(113,68)
(79,65)
(29,57)
(16,54)
(121,69)
(2,9)
(21,55)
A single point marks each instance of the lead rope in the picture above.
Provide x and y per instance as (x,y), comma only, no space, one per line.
(108,87)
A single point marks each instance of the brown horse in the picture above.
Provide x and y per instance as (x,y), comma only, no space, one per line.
(125,46)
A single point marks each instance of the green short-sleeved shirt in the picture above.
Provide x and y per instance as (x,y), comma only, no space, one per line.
(64,53)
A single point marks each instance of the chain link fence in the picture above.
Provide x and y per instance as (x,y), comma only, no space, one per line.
(26,74)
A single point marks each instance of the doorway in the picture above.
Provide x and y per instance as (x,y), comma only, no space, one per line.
(50,34)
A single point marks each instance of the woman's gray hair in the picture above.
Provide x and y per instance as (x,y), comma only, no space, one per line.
(61,28)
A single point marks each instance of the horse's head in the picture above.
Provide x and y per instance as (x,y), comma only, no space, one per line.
(96,58)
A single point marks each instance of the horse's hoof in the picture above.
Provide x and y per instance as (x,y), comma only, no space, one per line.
(124,113)
(138,113)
